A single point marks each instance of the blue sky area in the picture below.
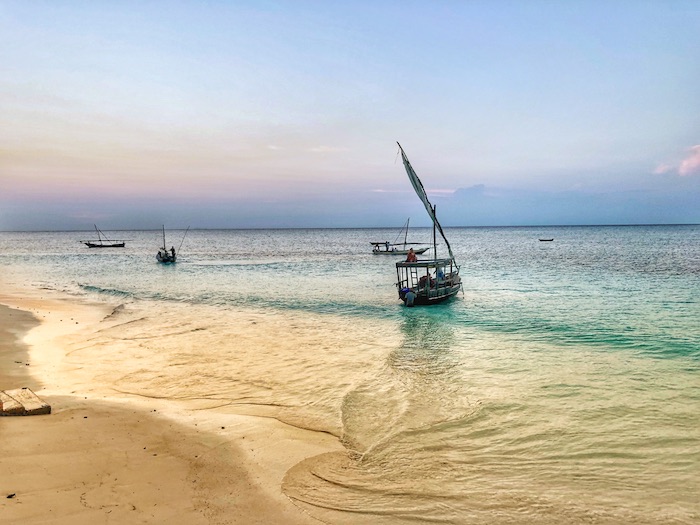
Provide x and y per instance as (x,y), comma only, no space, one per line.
(286,113)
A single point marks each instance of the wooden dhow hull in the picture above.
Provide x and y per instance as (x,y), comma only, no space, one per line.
(417,251)
(104,245)
(165,259)
(427,282)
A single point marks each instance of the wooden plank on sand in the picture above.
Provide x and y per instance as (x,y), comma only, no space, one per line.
(10,406)
(31,404)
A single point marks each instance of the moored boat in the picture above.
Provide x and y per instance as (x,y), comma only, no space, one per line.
(432,280)
(169,256)
(398,248)
(102,241)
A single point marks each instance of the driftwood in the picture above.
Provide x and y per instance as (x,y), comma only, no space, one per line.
(22,402)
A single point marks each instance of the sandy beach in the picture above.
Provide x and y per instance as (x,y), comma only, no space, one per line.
(101,458)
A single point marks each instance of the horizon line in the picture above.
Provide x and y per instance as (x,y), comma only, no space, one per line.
(360,227)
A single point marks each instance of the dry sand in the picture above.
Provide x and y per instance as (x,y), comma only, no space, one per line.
(115,461)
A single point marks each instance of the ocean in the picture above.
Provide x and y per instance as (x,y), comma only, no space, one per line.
(561,386)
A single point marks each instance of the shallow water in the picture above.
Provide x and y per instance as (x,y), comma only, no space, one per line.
(563,386)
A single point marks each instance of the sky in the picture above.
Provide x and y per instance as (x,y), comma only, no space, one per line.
(282,114)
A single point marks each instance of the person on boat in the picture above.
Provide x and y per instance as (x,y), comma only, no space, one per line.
(426,281)
(172,250)
(411,257)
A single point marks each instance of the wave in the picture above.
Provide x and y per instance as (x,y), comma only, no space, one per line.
(89,288)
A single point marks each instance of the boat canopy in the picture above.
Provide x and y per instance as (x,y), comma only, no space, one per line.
(428,263)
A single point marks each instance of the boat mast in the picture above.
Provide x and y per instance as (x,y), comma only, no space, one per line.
(434,237)
(164,237)
(405,234)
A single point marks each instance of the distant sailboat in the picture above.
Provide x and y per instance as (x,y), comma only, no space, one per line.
(397,248)
(433,280)
(102,241)
(169,256)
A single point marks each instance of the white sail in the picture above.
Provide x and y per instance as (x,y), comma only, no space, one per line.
(423,196)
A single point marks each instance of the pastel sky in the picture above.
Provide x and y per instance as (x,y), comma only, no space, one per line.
(286,113)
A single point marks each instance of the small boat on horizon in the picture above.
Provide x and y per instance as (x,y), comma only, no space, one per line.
(429,281)
(102,241)
(546,240)
(398,248)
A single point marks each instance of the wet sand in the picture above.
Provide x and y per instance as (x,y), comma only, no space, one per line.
(95,460)
(14,323)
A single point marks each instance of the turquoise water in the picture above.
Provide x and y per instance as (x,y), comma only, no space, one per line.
(562,386)
(632,288)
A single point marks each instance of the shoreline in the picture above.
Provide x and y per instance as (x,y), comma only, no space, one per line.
(14,353)
(121,459)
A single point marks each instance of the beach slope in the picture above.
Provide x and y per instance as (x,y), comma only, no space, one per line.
(93,461)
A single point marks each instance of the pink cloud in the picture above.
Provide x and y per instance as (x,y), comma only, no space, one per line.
(691,163)
(663,168)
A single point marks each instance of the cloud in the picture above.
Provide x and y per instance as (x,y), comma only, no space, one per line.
(477,190)
(663,168)
(688,166)
(326,149)
(691,164)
